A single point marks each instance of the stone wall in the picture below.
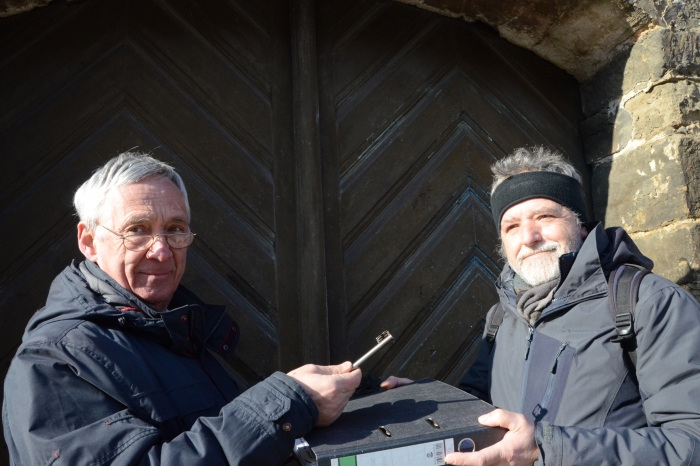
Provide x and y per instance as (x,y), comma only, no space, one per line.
(642,138)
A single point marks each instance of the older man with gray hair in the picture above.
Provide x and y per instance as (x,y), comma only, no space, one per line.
(590,358)
(123,366)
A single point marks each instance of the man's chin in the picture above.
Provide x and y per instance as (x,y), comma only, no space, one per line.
(157,299)
(537,273)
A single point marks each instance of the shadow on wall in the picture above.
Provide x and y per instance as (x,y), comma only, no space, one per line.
(642,111)
(605,130)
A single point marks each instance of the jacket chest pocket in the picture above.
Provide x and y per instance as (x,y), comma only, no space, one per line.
(549,362)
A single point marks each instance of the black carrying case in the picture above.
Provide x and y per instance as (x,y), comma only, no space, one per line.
(420,413)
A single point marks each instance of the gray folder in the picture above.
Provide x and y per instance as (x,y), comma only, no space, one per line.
(413,425)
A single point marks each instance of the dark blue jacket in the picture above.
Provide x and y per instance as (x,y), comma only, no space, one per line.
(100,378)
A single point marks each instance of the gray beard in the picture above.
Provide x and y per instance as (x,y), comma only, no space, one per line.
(537,271)
(544,267)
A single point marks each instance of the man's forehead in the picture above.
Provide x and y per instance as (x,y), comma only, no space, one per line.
(148,190)
(531,207)
(146,199)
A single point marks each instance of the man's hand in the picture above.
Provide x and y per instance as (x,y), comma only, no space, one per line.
(330,387)
(393,382)
(518,446)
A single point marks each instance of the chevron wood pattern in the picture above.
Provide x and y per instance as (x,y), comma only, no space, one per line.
(412,110)
(81,82)
(421,106)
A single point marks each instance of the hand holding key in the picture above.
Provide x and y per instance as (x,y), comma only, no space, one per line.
(330,387)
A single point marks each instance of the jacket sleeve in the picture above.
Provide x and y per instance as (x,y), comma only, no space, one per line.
(667,325)
(476,380)
(53,416)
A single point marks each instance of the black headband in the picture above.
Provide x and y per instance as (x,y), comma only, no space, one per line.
(530,185)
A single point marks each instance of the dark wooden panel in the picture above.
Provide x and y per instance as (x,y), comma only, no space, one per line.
(290,353)
(52,57)
(439,178)
(421,105)
(335,284)
(214,82)
(57,124)
(373,116)
(311,260)
(39,212)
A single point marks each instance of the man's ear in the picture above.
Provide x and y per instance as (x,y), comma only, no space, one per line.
(584,232)
(86,242)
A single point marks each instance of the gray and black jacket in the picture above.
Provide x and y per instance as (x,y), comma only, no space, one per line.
(588,402)
(102,379)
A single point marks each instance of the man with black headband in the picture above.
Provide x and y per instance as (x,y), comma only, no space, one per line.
(571,387)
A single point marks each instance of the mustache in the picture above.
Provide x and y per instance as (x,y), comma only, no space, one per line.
(526,251)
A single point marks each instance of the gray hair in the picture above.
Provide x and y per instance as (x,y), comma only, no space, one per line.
(124,169)
(537,159)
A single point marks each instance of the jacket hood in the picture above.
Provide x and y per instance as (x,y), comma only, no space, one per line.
(585,272)
(85,292)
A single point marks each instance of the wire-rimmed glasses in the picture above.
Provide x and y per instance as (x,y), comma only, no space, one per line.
(141,242)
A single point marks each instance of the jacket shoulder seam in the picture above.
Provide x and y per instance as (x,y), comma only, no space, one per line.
(643,305)
(103,362)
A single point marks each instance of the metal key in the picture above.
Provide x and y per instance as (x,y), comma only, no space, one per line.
(382,340)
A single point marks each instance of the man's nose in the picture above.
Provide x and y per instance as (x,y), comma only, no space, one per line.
(531,234)
(159,249)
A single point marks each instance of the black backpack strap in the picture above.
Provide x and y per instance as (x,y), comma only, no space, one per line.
(494,321)
(623,292)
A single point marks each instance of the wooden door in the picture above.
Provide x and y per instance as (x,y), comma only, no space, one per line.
(336,155)
(414,109)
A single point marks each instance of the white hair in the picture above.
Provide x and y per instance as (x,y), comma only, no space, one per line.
(125,169)
(537,159)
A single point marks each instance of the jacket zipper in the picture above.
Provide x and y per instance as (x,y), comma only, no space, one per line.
(528,338)
(526,368)
(552,377)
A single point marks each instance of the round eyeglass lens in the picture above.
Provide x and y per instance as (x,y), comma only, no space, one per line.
(180,240)
(137,242)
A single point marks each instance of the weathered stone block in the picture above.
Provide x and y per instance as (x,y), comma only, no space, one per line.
(683,51)
(683,14)
(605,86)
(631,70)
(606,133)
(13,7)
(654,54)
(575,40)
(644,189)
(668,106)
(675,252)
(689,153)
(674,14)
(577,36)
(647,61)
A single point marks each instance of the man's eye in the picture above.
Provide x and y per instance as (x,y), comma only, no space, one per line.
(135,231)
(176,229)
